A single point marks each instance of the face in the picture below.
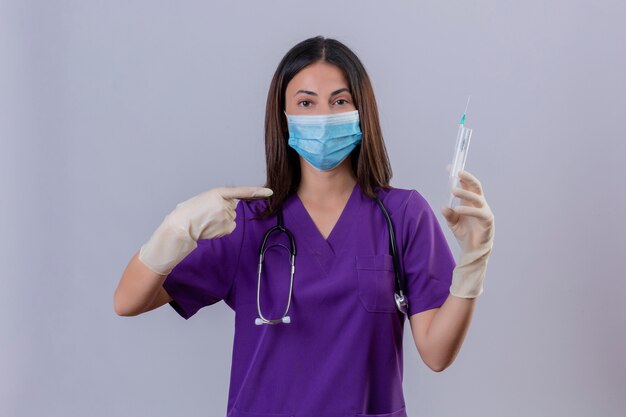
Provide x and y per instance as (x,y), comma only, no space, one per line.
(320,88)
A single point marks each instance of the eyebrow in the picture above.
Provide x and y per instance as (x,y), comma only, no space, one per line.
(311,93)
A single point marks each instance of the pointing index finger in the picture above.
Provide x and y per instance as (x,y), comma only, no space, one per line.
(245,193)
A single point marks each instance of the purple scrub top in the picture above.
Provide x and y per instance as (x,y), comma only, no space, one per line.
(341,355)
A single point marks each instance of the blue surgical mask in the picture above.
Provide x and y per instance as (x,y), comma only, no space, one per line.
(324,140)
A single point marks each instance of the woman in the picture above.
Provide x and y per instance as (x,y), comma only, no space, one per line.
(327,340)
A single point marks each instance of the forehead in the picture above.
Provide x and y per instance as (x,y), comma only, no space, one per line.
(320,77)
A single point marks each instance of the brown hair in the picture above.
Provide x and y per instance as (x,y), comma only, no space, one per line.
(369,159)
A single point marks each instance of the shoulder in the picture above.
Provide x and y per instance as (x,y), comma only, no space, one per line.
(399,201)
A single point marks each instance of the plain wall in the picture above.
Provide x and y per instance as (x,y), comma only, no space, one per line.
(112,112)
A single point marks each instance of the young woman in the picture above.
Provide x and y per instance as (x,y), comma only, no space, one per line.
(319,308)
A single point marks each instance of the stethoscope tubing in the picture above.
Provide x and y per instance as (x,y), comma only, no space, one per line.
(292,251)
(399,297)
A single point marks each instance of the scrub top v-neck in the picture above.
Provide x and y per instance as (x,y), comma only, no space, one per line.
(341,355)
(337,236)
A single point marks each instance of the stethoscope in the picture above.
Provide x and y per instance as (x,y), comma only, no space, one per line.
(399,296)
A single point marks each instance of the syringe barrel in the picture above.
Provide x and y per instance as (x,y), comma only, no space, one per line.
(460,156)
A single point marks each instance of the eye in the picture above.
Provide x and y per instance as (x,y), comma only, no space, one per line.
(341,101)
(304,103)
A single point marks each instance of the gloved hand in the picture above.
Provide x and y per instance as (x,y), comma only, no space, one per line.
(207,215)
(473,225)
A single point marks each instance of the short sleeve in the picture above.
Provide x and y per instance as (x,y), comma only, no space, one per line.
(427,259)
(206,275)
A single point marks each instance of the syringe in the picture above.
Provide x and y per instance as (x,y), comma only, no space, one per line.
(460,155)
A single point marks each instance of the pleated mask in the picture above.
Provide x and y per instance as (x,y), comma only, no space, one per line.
(324,140)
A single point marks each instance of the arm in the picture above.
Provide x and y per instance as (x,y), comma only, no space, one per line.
(208,215)
(439,333)
(139,290)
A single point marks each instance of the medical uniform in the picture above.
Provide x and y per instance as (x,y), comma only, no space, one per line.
(341,355)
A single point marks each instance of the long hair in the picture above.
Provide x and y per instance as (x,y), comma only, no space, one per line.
(370,162)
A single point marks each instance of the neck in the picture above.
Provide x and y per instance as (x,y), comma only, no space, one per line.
(325,185)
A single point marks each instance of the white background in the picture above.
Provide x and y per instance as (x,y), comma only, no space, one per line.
(112,112)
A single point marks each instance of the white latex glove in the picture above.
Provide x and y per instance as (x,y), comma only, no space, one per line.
(207,215)
(472,223)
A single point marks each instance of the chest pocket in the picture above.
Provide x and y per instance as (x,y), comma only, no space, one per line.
(376,278)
